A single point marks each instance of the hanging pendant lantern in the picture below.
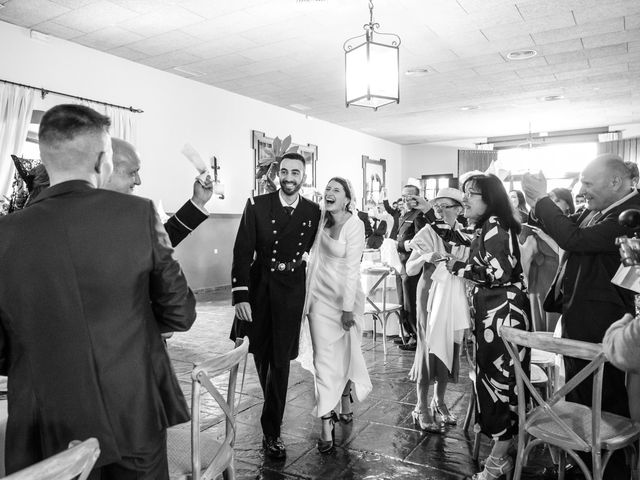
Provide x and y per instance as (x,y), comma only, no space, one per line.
(372,67)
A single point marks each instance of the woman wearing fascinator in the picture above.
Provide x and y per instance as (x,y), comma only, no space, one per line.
(335,302)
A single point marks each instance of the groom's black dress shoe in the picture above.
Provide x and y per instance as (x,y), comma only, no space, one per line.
(273,447)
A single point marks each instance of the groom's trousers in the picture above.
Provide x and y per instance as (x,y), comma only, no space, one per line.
(274,380)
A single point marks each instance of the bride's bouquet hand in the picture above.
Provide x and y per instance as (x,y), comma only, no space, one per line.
(347,320)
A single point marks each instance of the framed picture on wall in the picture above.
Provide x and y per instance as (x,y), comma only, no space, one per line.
(374,180)
(267,154)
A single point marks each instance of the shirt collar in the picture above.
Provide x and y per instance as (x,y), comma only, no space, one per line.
(284,202)
(620,202)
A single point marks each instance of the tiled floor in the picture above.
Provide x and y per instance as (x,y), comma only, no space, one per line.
(381,442)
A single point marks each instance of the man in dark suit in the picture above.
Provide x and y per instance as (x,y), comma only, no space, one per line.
(582,289)
(268,286)
(409,224)
(125,177)
(89,285)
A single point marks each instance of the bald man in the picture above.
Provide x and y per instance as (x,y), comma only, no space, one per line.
(82,305)
(126,177)
(582,290)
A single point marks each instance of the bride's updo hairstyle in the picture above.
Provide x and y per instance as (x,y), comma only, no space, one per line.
(346,185)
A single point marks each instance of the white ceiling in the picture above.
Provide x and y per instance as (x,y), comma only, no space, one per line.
(289,52)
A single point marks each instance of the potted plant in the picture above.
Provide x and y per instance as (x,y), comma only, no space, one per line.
(267,169)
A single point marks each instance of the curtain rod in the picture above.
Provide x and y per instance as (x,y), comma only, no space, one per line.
(44,92)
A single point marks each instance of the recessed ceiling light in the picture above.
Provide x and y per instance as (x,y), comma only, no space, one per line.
(552,98)
(39,36)
(417,72)
(521,54)
(186,71)
(466,108)
(299,106)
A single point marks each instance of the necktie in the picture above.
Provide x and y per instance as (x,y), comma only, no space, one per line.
(289,209)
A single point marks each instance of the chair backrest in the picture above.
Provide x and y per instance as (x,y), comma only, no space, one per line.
(203,375)
(77,460)
(545,341)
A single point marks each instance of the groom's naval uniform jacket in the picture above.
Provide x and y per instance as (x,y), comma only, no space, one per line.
(268,272)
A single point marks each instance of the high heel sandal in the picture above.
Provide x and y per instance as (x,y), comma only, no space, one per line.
(346,417)
(441,409)
(495,467)
(421,420)
(325,446)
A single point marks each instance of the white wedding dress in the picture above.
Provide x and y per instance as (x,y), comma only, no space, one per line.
(334,287)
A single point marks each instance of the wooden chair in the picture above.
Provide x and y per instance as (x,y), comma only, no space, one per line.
(567,425)
(381,310)
(76,462)
(198,455)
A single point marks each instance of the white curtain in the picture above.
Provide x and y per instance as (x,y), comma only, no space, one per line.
(16,107)
(123,121)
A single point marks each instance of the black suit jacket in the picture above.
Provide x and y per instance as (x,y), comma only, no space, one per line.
(368,229)
(395,214)
(590,301)
(410,223)
(267,238)
(89,282)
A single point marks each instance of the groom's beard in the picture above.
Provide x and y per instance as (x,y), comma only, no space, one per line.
(290,188)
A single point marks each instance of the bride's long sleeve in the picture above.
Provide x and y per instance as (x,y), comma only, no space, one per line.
(354,236)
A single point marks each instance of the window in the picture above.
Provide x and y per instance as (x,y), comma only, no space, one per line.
(430,184)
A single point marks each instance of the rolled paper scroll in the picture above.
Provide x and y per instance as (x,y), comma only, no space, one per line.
(206,174)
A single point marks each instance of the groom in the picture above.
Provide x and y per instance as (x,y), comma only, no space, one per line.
(268,292)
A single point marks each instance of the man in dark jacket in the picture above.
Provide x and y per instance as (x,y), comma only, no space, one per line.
(268,287)
(410,223)
(89,284)
(582,290)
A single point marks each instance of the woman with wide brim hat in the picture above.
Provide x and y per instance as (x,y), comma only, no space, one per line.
(443,314)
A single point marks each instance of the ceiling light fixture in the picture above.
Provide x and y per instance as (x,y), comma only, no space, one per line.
(552,98)
(186,71)
(466,108)
(299,106)
(372,67)
(521,54)
(417,72)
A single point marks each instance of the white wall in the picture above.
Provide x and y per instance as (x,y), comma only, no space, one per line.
(179,110)
(418,160)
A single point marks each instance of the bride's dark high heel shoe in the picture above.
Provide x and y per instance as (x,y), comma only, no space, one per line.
(325,446)
(346,417)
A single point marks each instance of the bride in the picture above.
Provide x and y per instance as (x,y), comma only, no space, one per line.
(336,305)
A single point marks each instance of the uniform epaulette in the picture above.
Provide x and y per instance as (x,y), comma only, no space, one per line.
(253,202)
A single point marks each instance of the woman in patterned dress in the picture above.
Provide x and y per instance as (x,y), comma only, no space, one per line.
(498,298)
